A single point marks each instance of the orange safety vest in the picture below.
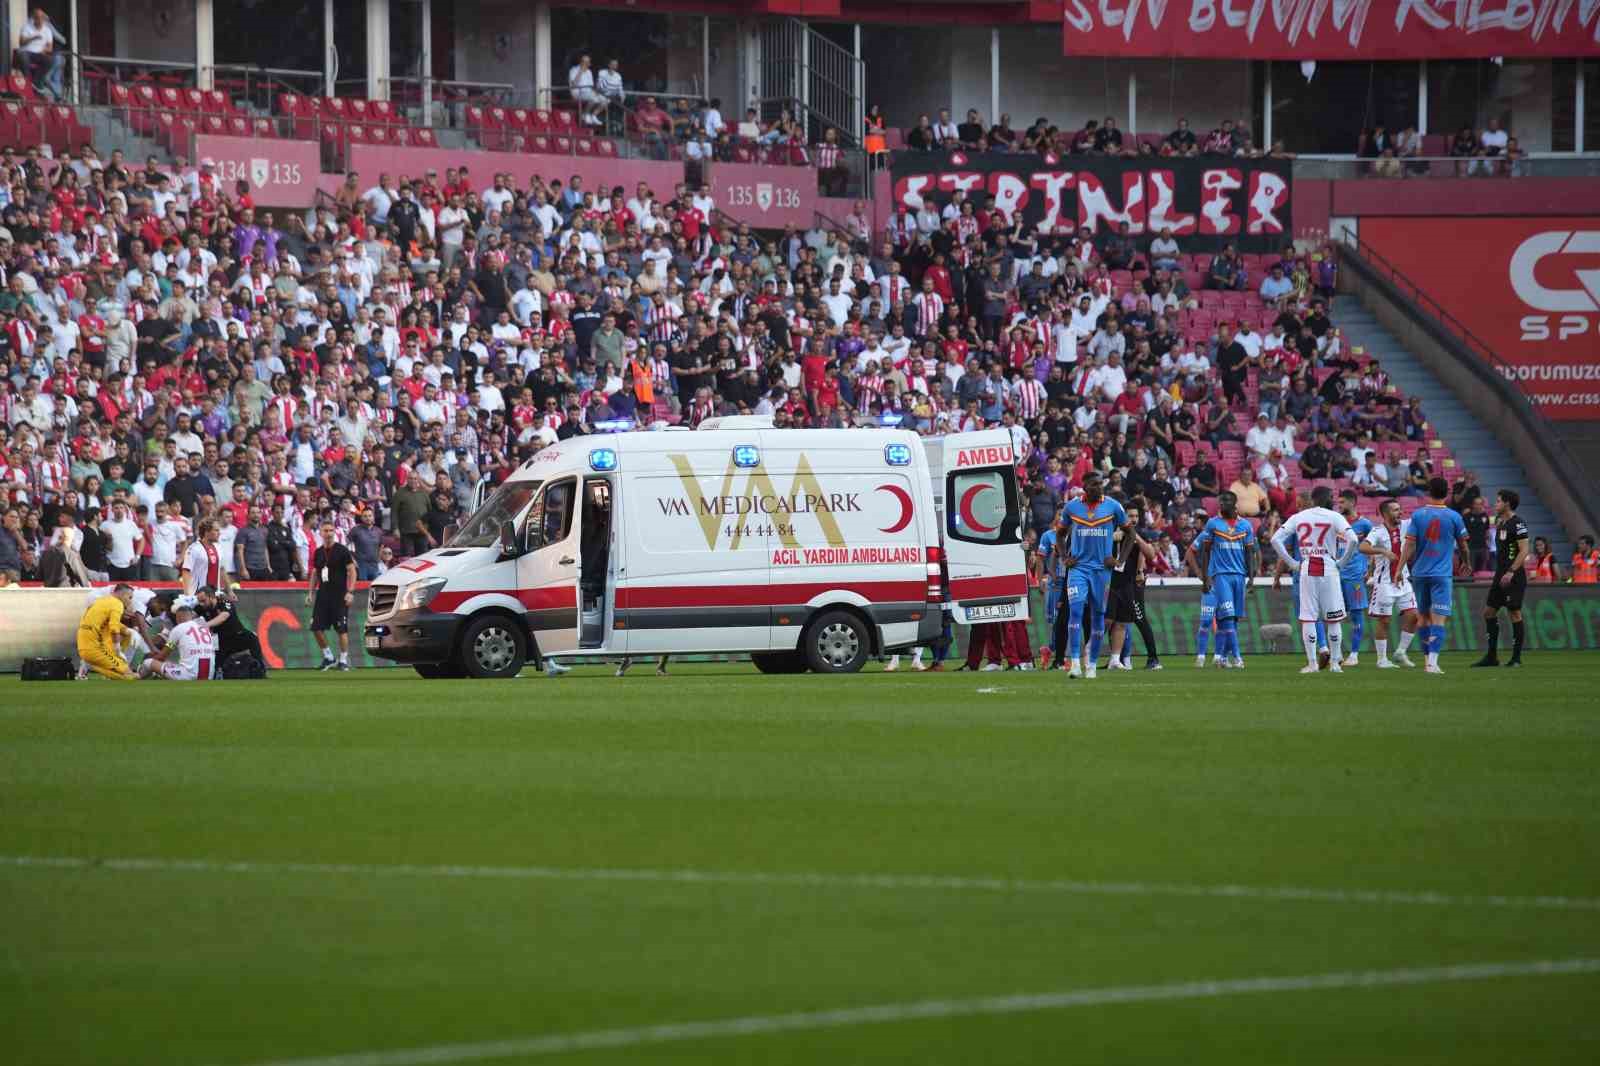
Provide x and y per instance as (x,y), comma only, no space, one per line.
(1586,568)
(644,386)
(1544,568)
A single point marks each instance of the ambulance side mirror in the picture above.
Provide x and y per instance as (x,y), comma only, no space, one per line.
(510,544)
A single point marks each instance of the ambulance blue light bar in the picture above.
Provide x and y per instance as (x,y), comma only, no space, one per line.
(746,456)
(897,454)
(603,459)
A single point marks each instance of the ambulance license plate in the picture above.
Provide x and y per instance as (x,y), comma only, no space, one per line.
(991,612)
(373,641)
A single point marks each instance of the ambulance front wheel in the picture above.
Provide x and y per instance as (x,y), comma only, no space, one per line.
(837,642)
(436,671)
(493,646)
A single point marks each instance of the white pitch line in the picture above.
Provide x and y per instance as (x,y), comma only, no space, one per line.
(808,880)
(765,1024)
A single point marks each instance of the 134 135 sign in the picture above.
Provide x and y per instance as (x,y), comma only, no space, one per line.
(261,173)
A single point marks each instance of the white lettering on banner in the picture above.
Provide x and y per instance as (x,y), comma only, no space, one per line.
(1574,305)
(1052,183)
(1215,210)
(1300,21)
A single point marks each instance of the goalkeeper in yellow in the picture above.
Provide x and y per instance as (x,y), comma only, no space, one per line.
(99,631)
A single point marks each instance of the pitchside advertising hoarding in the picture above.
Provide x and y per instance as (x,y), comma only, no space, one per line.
(1527,287)
(1560,618)
(1331,29)
(1207,204)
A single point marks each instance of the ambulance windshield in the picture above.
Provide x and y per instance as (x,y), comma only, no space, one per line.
(482,530)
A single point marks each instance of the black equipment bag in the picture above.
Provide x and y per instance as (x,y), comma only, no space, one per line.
(47,669)
(243,666)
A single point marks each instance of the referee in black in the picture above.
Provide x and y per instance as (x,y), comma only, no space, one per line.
(1510,578)
(1126,606)
(329,592)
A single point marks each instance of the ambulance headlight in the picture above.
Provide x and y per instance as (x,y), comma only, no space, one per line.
(418,594)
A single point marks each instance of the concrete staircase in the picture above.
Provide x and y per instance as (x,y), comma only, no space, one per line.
(1474,444)
(110,132)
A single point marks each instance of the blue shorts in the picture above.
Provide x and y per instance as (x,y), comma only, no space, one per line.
(1208,608)
(1433,594)
(1088,586)
(1228,591)
(1355,595)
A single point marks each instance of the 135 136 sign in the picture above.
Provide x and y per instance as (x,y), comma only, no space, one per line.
(1205,203)
(765,196)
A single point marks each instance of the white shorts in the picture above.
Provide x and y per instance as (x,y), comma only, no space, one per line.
(203,669)
(1321,597)
(1387,599)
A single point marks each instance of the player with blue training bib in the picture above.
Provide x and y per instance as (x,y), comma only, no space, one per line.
(1224,554)
(1091,524)
(1434,537)
(1353,576)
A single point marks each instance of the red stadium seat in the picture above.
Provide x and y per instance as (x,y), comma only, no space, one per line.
(381,111)
(213,124)
(265,128)
(356,108)
(583,145)
(561,143)
(239,126)
(17,84)
(605,147)
(539,121)
(216,102)
(424,138)
(540,143)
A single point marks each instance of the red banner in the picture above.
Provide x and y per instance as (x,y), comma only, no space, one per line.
(280,173)
(1527,287)
(765,196)
(1331,29)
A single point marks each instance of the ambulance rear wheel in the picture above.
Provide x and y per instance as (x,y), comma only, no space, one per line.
(779,662)
(837,643)
(493,646)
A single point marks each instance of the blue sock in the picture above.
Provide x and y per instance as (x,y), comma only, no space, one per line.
(1074,636)
(1358,628)
(1438,639)
(1322,634)
(1228,638)
(1097,632)
(1202,639)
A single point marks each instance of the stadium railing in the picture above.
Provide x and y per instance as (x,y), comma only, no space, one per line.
(1478,376)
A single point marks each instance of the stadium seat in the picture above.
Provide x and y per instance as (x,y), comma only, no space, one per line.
(17,84)
(423,138)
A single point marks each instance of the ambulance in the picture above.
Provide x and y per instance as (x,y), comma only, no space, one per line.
(807,549)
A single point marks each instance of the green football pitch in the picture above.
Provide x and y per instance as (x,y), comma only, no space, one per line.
(720,867)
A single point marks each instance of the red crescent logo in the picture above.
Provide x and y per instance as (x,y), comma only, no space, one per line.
(966,509)
(905,507)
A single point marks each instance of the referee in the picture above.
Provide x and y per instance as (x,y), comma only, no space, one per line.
(1510,578)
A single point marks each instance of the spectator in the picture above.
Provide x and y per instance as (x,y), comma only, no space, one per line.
(833,170)
(1480,549)
(43,62)
(1253,499)
(608,85)
(1585,561)
(1181,140)
(581,82)
(653,126)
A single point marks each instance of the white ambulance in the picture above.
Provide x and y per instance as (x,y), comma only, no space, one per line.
(807,549)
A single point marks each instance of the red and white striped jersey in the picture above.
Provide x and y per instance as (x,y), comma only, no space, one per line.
(929,308)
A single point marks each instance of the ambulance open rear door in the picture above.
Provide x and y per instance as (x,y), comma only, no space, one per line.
(982,511)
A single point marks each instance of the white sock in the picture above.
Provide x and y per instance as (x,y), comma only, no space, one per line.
(344,657)
(1335,638)
(1308,634)
(894,660)
(916,655)
(1432,658)
(1382,646)
(1405,642)
(327,655)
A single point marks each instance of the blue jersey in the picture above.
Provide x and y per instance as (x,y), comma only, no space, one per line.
(1437,531)
(1228,541)
(1092,531)
(1354,571)
(1050,558)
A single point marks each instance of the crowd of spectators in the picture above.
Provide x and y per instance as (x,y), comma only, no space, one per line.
(1489,152)
(1096,137)
(171,354)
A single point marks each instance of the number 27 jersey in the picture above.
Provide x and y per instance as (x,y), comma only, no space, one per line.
(1322,535)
